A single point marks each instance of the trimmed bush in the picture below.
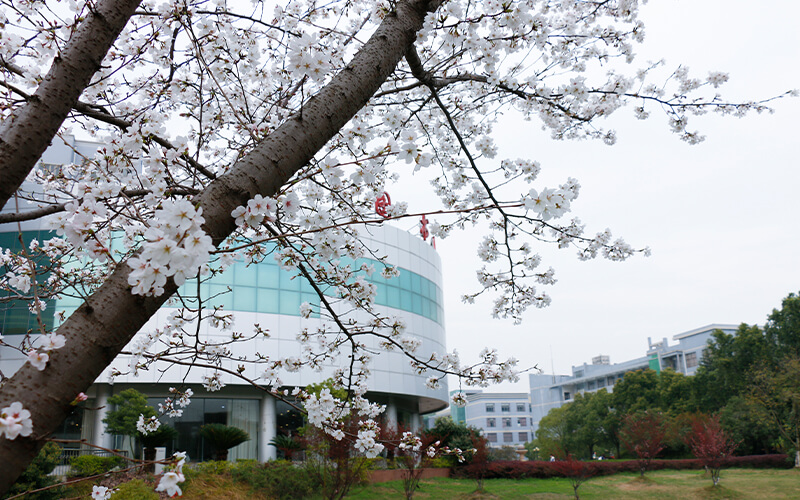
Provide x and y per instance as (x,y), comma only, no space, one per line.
(135,490)
(543,470)
(92,465)
(277,479)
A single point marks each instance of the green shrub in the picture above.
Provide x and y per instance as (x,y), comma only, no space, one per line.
(36,475)
(443,462)
(215,467)
(92,465)
(135,490)
(277,479)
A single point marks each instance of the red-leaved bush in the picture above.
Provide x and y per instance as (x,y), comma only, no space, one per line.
(576,471)
(644,435)
(542,470)
(710,444)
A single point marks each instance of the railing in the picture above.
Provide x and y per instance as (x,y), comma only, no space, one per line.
(68,454)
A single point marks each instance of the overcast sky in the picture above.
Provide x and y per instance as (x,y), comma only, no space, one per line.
(720,217)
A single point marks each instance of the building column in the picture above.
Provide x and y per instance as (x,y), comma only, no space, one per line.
(416,423)
(99,435)
(268,427)
(391,415)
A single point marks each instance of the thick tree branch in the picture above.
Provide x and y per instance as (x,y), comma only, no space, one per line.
(26,134)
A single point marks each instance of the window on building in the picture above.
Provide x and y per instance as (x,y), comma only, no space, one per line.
(611,381)
(491,437)
(590,385)
(521,407)
(489,407)
(566,396)
(523,437)
(580,387)
(506,422)
(508,437)
(490,422)
(691,359)
(522,421)
(578,373)
(601,382)
(505,407)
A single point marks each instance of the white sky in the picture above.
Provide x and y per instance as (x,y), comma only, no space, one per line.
(720,217)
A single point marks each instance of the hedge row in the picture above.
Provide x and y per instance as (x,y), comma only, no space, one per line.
(543,470)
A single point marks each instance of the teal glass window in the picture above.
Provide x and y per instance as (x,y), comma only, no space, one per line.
(15,317)
(268,301)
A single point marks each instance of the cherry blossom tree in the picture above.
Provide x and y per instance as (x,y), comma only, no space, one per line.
(252,130)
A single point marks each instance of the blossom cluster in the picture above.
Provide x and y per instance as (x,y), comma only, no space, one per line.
(147,425)
(173,406)
(39,358)
(169,482)
(175,246)
(15,421)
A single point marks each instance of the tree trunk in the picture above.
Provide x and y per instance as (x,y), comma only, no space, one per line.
(797,458)
(150,456)
(28,132)
(101,327)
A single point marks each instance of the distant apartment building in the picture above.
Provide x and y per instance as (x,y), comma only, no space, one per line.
(504,418)
(513,418)
(552,391)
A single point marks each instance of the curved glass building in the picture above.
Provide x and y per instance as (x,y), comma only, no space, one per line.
(266,295)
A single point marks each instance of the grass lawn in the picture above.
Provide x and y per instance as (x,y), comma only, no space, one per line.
(665,484)
(736,484)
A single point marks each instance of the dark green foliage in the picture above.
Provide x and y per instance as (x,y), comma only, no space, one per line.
(278,479)
(637,391)
(749,425)
(726,364)
(92,465)
(783,328)
(777,393)
(452,434)
(36,475)
(222,438)
(129,403)
(159,437)
(503,453)
(135,490)
(287,445)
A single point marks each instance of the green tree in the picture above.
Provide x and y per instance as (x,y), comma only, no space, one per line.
(777,391)
(586,418)
(452,434)
(128,406)
(554,434)
(675,393)
(749,424)
(727,361)
(637,391)
(783,327)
